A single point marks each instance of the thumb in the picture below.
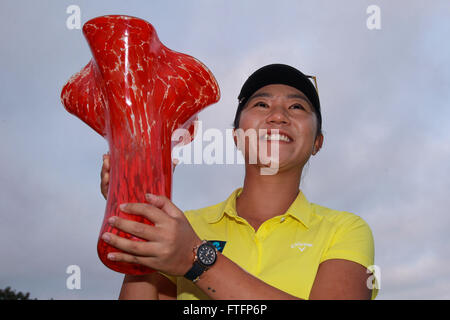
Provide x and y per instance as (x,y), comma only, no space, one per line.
(164,204)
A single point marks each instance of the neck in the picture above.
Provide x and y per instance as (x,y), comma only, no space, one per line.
(267,196)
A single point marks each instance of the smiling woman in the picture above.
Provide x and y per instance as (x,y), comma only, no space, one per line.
(288,117)
(266,241)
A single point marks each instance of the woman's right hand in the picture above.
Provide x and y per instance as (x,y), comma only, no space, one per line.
(104,174)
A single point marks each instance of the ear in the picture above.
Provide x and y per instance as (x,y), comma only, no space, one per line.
(317,144)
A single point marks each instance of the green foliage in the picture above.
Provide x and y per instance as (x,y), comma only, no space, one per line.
(8,294)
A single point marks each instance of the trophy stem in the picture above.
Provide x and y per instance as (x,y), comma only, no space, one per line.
(132,175)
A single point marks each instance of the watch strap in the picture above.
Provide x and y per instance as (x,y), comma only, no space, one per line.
(194,273)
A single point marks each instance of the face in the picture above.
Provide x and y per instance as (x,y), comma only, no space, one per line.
(278,106)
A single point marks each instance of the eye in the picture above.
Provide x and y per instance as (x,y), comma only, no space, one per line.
(298,106)
(261,104)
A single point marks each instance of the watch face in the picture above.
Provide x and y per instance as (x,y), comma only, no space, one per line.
(207,254)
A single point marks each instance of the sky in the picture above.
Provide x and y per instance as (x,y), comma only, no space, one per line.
(384,96)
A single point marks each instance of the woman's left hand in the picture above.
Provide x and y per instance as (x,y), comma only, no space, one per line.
(171,240)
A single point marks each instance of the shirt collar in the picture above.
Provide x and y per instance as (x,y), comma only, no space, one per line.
(300,209)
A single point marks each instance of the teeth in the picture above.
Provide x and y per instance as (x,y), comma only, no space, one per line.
(276,137)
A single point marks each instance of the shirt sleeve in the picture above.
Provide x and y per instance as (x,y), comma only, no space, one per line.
(353,241)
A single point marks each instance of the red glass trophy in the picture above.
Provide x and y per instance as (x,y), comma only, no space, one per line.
(136,92)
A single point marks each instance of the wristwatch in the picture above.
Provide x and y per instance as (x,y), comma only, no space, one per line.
(205,257)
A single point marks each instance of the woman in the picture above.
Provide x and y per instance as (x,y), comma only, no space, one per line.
(272,243)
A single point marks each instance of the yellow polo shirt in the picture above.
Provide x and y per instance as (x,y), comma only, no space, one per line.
(286,250)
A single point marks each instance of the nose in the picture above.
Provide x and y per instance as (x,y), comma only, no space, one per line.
(278,116)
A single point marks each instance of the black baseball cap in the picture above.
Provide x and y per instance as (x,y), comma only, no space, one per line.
(279,74)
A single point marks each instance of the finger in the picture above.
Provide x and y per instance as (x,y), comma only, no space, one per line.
(104,172)
(164,204)
(104,176)
(137,248)
(104,186)
(105,179)
(135,228)
(107,161)
(104,190)
(143,209)
(124,257)
(106,164)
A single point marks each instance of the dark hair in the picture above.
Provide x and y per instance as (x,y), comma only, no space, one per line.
(279,74)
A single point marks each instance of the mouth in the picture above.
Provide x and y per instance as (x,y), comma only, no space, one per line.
(280,136)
